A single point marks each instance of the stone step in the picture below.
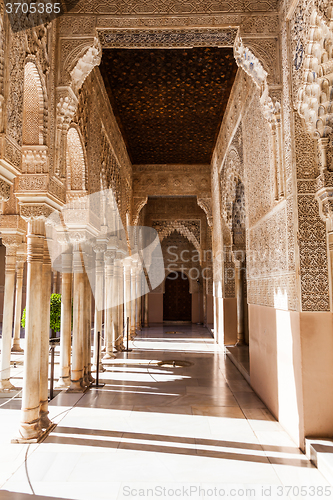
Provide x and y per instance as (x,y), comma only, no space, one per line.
(320,452)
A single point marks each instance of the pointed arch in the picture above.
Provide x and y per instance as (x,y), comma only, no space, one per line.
(33,107)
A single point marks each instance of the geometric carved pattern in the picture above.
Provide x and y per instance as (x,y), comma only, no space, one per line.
(188,228)
(169,103)
(76,170)
(33,106)
(167,39)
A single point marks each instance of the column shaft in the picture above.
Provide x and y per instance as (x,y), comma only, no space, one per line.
(133,300)
(18,306)
(77,371)
(7,324)
(99,302)
(65,326)
(45,335)
(30,428)
(145,319)
(121,320)
(240,304)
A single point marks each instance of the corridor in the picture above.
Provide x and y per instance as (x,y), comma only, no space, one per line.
(160,431)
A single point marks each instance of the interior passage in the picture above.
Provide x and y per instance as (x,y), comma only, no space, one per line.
(174,413)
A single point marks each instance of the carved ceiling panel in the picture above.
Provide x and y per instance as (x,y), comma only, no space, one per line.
(169,103)
(171,7)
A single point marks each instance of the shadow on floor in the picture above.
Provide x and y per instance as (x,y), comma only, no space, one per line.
(174,445)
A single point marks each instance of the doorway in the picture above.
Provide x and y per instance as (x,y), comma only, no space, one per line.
(177,300)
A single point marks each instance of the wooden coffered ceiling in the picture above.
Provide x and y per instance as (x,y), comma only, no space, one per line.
(169,103)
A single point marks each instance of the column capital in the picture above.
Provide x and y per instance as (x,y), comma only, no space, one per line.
(110,256)
(4,190)
(11,242)
(35,211)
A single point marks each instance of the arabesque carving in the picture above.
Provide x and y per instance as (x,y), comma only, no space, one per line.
(85,64)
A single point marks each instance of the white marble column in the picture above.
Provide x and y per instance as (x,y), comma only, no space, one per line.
(77,371)
(109,323)
(133,323)
(18,303)
(240,302)
(99,301)
(121,299)
(145,318)
(11,243)
(66,322)
(114,303)
(138,299)
(88,378)
(127,296)
(45,335)
(30,427)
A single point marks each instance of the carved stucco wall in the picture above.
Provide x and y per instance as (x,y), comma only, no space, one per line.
(246,153)
(185,216)
(312,244)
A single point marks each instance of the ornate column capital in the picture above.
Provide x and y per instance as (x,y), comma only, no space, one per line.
(325,199)
(206,205)
(4,190)
(12,243)
(35,211)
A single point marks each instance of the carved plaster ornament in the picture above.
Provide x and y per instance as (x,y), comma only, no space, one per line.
(252,66)
(138,204)
(85,65)
(314,101)
(206,205)
(4,191)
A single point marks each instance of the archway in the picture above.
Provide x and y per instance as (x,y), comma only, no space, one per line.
(177,300)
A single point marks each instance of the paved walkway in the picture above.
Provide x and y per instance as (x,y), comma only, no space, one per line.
(154,431)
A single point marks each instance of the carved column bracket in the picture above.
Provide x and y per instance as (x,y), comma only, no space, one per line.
(206,205)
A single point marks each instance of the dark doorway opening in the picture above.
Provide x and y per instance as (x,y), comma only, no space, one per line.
(177,300)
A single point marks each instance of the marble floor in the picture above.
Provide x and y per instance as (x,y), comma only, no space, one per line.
(159,430)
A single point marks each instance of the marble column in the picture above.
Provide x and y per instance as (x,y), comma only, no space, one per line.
(88,378)
(66,322)
(240,302)
(127,297)
(30,427)
(18,303)
(45,335)
(11,243)
(99,301)
(145,317)
(138,299)
(204,305)
(109,312)
(121,299)
(133,299)
(77,371)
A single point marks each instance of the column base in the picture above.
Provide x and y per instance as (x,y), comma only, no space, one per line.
(45,422)
(101,368)
(37,439)
(17,348)
(109,355)
(120,347)
(63,383)
(77,386)
(6,385)
(86,381)
(239,343)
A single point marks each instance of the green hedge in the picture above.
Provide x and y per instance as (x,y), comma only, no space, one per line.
(55,313)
